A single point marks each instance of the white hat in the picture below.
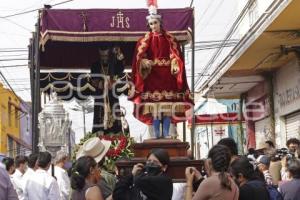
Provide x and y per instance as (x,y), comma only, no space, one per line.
(152,9)
(95,148)
(153,13)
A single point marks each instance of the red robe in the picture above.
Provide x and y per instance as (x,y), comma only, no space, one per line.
(160,85)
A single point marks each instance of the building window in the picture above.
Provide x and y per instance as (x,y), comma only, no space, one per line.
(18,149)
(16,117)
(27,123)
(9,112)
(10,147)
(253,12)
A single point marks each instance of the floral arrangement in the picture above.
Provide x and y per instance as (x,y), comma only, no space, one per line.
(119,148)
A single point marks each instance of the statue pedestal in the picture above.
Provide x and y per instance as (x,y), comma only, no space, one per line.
(178,157)
(175,147)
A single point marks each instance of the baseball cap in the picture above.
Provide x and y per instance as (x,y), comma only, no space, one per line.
(263,159)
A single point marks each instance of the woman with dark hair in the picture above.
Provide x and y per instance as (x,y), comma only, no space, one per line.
(219,184)
(84,180)
(147,181)
(250,184)
(9,165)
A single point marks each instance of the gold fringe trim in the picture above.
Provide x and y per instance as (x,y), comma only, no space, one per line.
(68,86)
(142,46)
(47,37)
(68,76)
(155,108)
(103,32)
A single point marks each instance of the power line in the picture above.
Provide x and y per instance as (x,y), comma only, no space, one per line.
(214,47)
(19,25)
(10,48)
(13,55)
(13,59)
(210,3)
(7,83)
(13,50)
(191,4)
(8,66)
(34,10)
(228,35)
(213,41)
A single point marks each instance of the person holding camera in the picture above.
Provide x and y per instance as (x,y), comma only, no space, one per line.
(251,185)
(293,148)
(263,165)
(219,184)
(147,181)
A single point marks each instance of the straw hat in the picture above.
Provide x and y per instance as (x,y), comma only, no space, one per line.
(95,148)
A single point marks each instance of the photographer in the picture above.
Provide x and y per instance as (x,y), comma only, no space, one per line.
(219,184)
(147,181)
(263,164)
(293,147)
(291,189)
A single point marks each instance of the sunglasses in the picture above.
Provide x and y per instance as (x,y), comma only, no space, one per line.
(152,23)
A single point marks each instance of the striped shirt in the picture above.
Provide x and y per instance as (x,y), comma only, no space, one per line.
(268,177)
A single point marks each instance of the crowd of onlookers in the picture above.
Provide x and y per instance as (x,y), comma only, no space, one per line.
(264,174)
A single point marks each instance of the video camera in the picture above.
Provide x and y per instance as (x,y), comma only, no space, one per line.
(284,152)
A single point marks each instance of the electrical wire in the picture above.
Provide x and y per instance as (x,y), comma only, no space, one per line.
(228,35)
(9,66)
(203,14)
(33,10)
(13,59)
(191,4)
(10,87)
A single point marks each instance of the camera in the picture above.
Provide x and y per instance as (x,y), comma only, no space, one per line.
(284,152)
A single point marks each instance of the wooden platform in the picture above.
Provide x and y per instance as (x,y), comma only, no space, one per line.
(178,157)
(174,147)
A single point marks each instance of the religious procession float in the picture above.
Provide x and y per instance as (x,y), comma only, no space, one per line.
(102,54)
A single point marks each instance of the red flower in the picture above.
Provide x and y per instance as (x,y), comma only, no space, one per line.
(119,144)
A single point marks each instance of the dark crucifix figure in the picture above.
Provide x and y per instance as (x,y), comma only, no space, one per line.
(104,75)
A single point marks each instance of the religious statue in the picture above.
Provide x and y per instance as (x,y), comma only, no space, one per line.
(161,94)
(104,74)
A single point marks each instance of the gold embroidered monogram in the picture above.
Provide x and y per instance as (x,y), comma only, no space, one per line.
(158,96)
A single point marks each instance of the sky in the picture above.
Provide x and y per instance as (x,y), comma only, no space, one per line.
(213,18)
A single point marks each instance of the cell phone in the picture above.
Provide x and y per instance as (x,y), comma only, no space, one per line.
(191,170)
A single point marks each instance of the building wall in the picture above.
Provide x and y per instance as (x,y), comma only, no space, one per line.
(10,123)
(286,97)
(25,124)
(209,133)
(256,110)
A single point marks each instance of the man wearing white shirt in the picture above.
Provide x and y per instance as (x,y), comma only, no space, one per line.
(17,177)
(61,165)
(32,166)
(42,186)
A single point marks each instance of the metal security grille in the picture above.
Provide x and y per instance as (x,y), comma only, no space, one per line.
(292,125)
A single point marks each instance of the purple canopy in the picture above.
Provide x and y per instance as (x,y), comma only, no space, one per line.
(70,38)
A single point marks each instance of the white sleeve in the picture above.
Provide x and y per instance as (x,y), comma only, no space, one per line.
(64,185)
(54,191)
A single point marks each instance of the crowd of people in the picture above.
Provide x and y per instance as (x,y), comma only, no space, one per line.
(264,174)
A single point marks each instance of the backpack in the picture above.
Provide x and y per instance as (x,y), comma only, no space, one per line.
(274,194)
